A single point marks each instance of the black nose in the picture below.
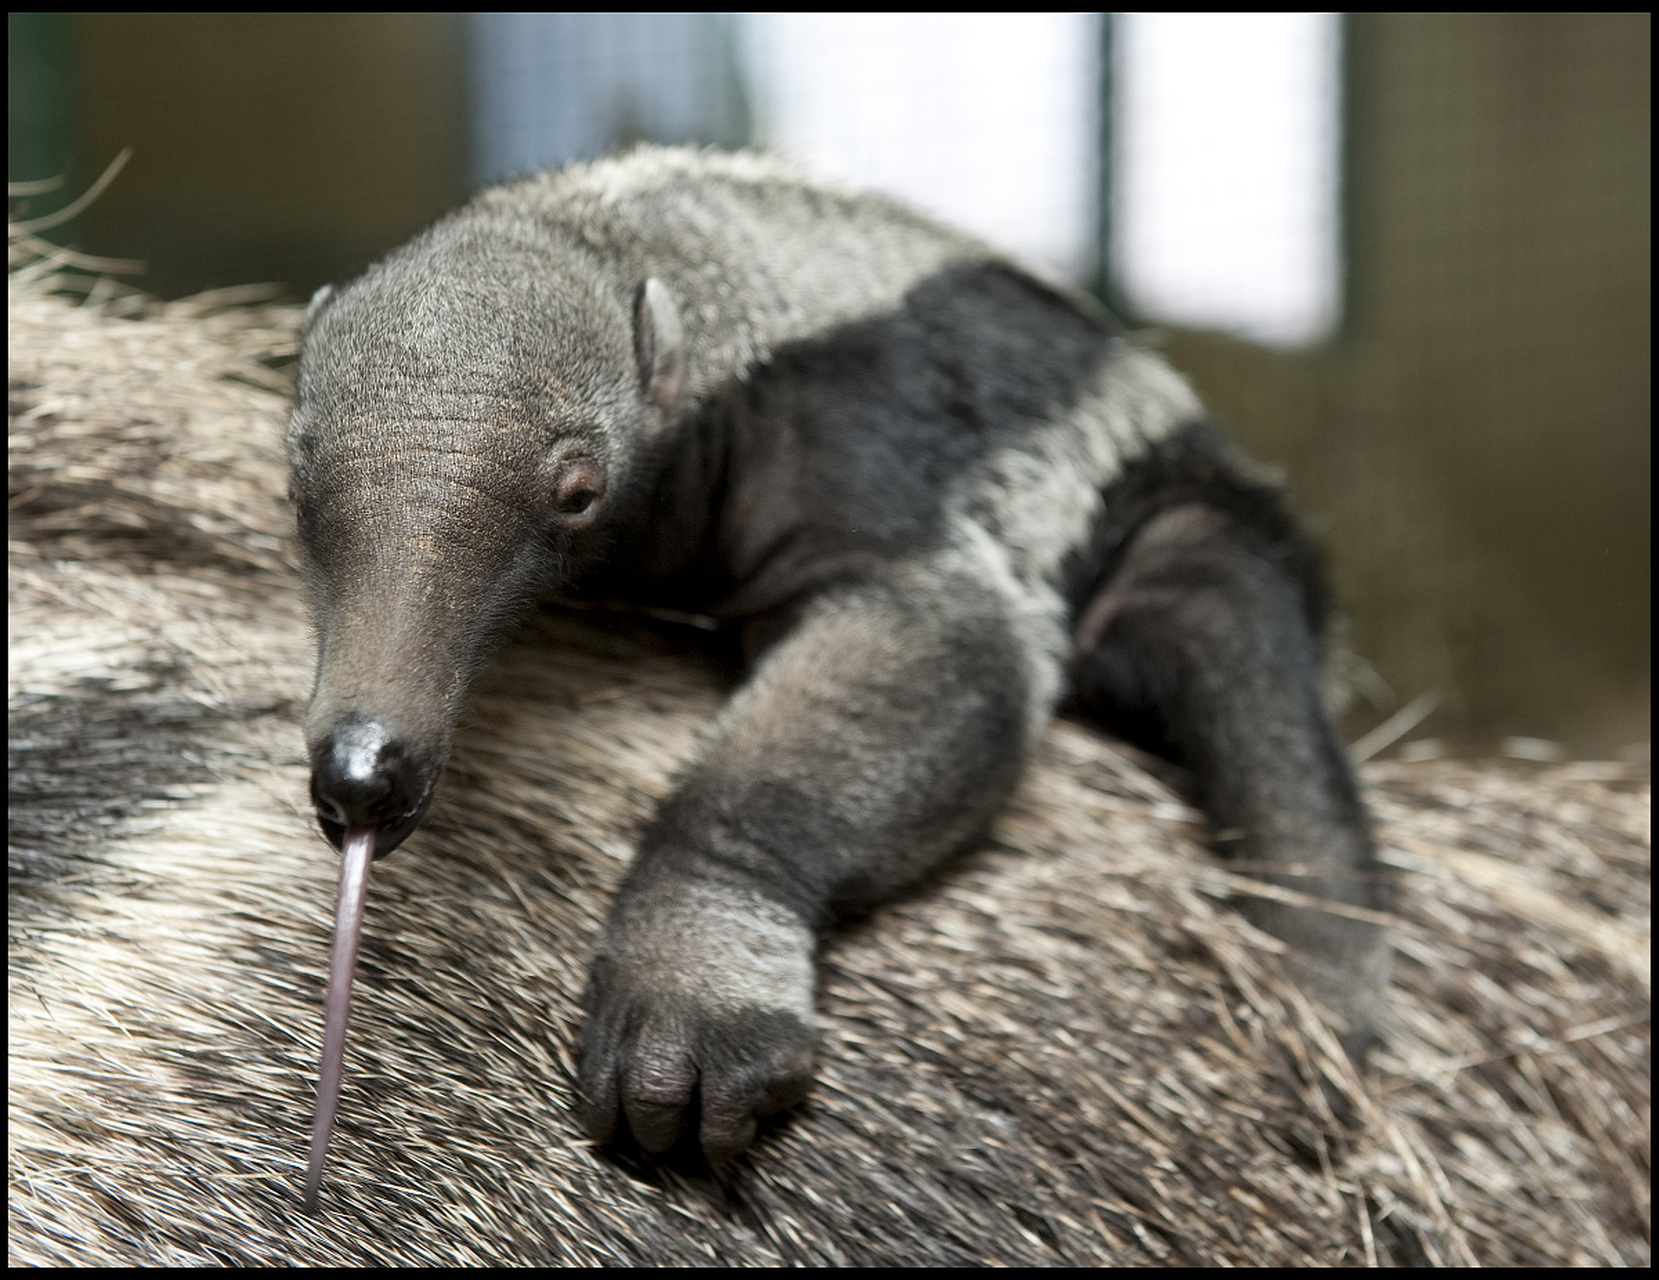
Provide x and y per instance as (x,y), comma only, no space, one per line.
(364,775)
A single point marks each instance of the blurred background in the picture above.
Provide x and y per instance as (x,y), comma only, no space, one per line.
(1405,257)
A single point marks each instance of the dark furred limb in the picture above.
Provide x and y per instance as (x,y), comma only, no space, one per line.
(1202,642)
(877,737)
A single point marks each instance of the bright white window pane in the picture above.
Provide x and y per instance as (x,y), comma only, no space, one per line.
(988,120)
(1224,178)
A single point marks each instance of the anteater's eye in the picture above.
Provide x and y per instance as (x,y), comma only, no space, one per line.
(574,504)
(577,494)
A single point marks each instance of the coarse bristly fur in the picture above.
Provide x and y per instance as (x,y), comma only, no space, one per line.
(937,494)
(1067,1049)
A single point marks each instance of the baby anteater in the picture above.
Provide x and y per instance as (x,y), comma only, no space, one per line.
(938,496)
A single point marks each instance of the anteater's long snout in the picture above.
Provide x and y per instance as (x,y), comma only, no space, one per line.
(366,773)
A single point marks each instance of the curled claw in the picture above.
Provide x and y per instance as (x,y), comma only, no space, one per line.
(356,856)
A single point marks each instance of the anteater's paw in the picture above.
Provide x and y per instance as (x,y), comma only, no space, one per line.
(699,1022)
(1342,962)
(662,1069)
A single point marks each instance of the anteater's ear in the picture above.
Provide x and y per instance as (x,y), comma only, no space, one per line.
(319,300)
(659,344)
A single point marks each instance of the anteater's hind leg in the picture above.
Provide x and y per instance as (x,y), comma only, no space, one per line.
(1203,643)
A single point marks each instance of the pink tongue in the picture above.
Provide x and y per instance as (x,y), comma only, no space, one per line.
(356,856)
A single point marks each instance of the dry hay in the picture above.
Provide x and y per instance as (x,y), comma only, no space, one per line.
(1068,1049)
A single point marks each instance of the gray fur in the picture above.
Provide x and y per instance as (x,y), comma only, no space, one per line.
(1066,1052)
(904,466)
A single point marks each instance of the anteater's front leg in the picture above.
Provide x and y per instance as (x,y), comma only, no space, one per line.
(876,738)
